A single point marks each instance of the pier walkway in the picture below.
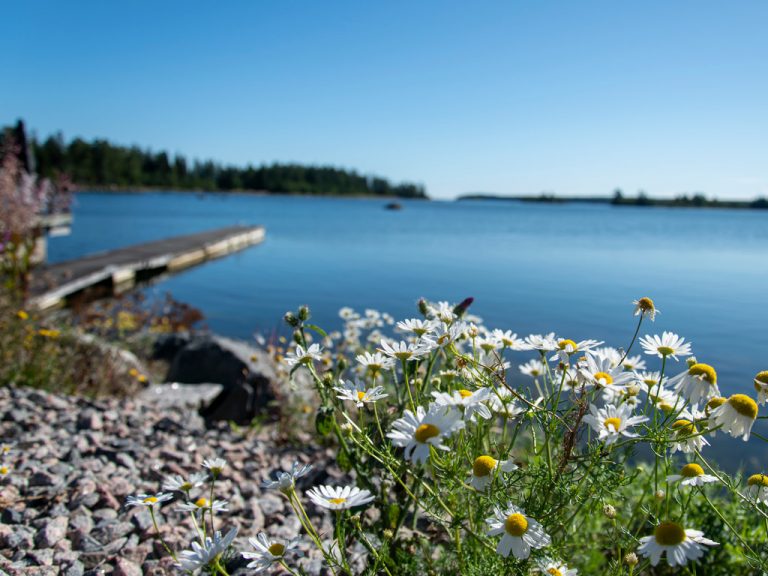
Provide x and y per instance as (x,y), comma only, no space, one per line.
(119,269)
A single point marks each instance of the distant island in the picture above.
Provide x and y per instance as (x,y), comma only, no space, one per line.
(101,164)
(641,199)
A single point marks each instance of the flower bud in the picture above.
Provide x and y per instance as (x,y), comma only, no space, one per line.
(341,363)
(609,511)
(631,559)
(659,495)
(691,361)
(435,381)
(387,534)
(423,307)
(291,320)
(304,314)
(297,338)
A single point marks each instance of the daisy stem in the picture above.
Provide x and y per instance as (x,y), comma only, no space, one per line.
(287,568)
(372,550)
(719,515)
(200,533)
(341,539)
(160,537)
(408,385)
(310,530)
(634,337)
(210,504)
(378,422)
(219,568)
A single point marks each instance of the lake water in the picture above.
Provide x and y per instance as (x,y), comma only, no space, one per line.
(569,268)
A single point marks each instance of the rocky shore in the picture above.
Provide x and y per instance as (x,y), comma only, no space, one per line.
(73,461)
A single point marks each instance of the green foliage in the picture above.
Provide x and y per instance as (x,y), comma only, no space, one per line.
(101,163)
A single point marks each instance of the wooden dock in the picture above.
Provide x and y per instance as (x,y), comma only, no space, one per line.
(118,270)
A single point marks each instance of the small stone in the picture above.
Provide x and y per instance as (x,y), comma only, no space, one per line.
(44,479)
(90,420)
(42,557)
(52,532)
(12,516)
(124,567)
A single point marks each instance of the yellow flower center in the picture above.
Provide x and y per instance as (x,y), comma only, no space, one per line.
(483,466)
(150,500)
(570,344)
(201,502)
(360,395)
(666,407)
(615,422)
(516,525)
(714,403)
(337,500)
(665,350)
(744,405)
(761,378)
(425,432)
(684,427)
(669,534)
(646,304)
(3,470)
(554,572)
(650,382)
(22,315)
(604,378)
(757,480)
(705,371)
(692,470)
(186,486)
(276,549)
(465,393)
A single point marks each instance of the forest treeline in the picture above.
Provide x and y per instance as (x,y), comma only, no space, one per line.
(99,163)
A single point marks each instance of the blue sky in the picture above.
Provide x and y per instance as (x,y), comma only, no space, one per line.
(575,98)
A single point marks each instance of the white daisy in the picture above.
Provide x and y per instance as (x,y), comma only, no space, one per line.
(488,344)
(645,307)
(286,481)
(302,356)
(404,351)
(375,362)
(357,393)
(680,544)
(612,422)
(650,380)
(736,416)
(201,556)
(669,344)
(509,340)
(417,326)
(269,551)
(148,500)
(442,311)
(687,437)
(444,334)
(533,368)
(697,384)
(691,475)
(567,348)
(633,363)
(609,354)
(553,568)
(178,484)
(215,465)
(761,386)
(757,488)
(520,532)
(337,498)
(484,469)
(597,371)
(417,432)
(202,504)
(503,402)
(541,342)
(469,403)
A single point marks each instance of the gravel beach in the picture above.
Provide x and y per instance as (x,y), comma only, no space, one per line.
(73,461)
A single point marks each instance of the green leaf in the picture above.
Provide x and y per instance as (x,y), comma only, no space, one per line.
(324,420)
(316,329)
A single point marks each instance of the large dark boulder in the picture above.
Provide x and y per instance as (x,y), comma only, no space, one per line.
(246,373)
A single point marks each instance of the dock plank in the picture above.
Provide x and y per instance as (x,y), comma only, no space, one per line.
(53,283)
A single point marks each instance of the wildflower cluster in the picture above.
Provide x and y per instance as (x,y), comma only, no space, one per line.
(484,450)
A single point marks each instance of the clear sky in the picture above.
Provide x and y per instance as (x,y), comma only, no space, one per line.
(572,97)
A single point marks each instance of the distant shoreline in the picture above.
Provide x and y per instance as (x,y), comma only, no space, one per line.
(642,201)
(154,190)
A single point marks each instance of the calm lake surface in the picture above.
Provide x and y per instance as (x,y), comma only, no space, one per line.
(572,269)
